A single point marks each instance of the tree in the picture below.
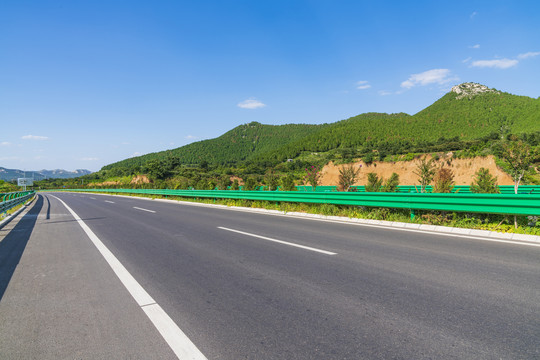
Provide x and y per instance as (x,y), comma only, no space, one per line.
(484,182)
(425,170)
(374,183)
(312,177)
(224,182)
(391,185)
(287,183)
(235,185)
(271,179)
(204,165)
(251,184)
(156,169)
(519,157)
(444,181)
(368,158)
(347,177)
(211,184)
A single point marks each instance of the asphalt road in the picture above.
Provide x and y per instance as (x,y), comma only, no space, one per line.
(252,286)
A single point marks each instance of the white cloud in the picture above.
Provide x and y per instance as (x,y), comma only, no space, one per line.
(191,137)
(473,15)
(477,46)
(504,63)
(362,85)
(251,104)
(385,93)
(527,55)
(136,153)
(5,143)
(497,63)
(89,159)
(467,60)
(34,137)
(435,76)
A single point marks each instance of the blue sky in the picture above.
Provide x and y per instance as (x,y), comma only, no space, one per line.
(87,83)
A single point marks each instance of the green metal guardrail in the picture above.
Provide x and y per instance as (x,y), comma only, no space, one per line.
(507,204)
(505,189)
(10,200)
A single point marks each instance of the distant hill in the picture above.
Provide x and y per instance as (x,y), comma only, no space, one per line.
(14,174)
(239,144)
(468,112)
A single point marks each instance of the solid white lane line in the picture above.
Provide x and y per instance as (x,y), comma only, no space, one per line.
(173,335)
(279,241)
(138,208)
(93,198)
(110,202)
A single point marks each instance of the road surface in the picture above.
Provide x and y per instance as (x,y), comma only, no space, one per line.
(244,285)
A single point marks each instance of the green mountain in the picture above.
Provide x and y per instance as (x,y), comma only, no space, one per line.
(467,113)
(239,144)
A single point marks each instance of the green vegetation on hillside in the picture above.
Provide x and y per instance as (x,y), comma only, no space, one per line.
(449,124)
(6,187)
(473,125)
(239,144)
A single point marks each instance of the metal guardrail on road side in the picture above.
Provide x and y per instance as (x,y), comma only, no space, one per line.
(10,200)
(504,189)
(506,204)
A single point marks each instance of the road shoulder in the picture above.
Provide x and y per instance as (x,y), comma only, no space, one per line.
(62,299)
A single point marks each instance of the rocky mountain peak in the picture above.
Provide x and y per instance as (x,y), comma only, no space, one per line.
(471,89)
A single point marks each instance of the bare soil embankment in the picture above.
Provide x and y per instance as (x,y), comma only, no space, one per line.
(464,170)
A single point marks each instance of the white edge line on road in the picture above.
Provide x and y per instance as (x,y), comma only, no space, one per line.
(138,208)
(180,344)
(385,227)
(279,241)
(110,202)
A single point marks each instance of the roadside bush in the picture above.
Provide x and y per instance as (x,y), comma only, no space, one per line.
(287,183)
(425,170)
(313,177)
(374,183)
(484,182)
(347,177)
(444,181)
(271,180)
(251,184)
(391,185)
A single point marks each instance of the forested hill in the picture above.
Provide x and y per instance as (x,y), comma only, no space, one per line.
(239,144)
(474,113)
(467,113)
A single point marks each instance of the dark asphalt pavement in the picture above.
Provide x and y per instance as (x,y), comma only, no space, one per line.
(386,294)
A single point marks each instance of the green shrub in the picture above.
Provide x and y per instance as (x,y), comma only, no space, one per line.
(287,183)
(374,183)
(391,185)
(484,182)
(444,181)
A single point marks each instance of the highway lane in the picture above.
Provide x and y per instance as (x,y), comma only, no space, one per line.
(60,300)
(384,294)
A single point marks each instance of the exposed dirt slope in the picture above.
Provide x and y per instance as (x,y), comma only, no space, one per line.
(464,170)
